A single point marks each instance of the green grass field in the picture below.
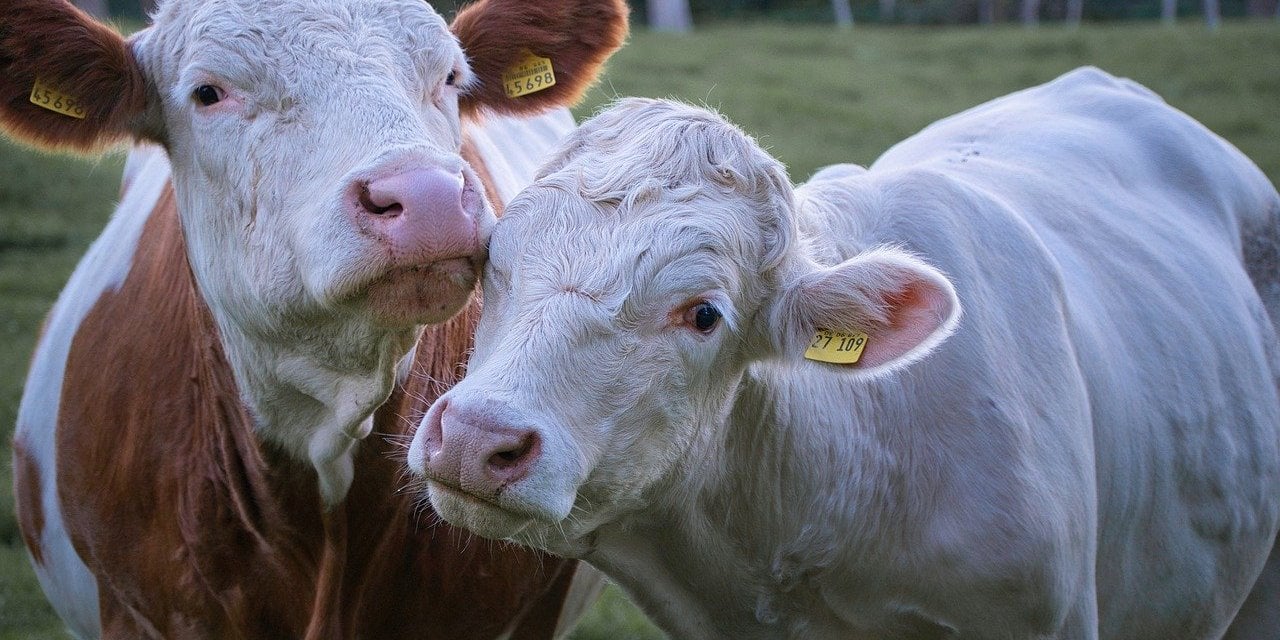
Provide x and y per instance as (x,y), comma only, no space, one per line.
(812,95)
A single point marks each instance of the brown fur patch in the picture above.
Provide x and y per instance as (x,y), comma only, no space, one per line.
(472,157)
(194,528)
(83,58)
(26,493)
(577,35)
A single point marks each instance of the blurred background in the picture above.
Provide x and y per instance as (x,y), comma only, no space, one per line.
(816,81)
(681,15)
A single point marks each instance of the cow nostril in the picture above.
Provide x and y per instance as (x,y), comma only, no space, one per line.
(505,457)
(368,204)
(514,455)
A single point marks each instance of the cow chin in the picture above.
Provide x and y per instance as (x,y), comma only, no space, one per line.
(422,294)
(482,518)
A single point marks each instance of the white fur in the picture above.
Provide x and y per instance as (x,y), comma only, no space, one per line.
(66,580)
(1093,453)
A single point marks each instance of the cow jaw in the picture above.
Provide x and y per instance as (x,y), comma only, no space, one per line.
(470,512)
(422,294)
(522,519)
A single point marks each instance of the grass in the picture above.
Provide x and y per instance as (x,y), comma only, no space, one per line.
(812,95)
(816,95)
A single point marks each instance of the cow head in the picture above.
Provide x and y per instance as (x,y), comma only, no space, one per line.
(656,257)
(316,161)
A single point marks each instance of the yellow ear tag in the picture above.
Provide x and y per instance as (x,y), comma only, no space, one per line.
(531,75)
(835,347)
(43,95)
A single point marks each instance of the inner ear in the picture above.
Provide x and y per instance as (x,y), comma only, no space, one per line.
(912,315)
(892,306)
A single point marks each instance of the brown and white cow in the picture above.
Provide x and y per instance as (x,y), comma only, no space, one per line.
(665,382)
(192,454)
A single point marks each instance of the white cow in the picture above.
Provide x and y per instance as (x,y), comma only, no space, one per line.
(1091,451)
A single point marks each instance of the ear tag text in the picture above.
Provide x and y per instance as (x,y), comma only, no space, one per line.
(530,75)
(47,97)
(836,347)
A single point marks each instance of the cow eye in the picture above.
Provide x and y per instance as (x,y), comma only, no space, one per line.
(453,75)
(207,94)
(704,317)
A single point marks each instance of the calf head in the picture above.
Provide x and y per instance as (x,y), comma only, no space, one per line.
(628,290)
(316,161)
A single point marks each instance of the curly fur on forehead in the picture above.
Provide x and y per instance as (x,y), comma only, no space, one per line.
(642,150)
(290,42)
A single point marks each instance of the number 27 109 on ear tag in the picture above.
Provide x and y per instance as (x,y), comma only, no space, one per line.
(836,347)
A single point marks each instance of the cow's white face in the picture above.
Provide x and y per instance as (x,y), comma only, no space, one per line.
(610,354)
(315,148)
(316,158)
(627,292)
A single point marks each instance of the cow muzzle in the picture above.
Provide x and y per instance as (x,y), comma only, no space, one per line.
(474,450)
(431,227)
(490,469)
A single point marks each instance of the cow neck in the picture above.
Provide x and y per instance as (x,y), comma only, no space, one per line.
(681,557)
(726,544)
(311,399)
(311,383)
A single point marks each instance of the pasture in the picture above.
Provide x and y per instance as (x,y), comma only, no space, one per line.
(812,95)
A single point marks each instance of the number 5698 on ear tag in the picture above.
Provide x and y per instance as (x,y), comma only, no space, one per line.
(43,95)
(530,75)
(836,347)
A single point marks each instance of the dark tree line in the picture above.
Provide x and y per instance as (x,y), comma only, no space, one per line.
(655,12)
(681,15)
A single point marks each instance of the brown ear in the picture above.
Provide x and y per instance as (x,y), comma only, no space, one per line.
(576,35)
(78,58)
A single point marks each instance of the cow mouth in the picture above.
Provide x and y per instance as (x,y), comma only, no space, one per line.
(483,517)
(422,294)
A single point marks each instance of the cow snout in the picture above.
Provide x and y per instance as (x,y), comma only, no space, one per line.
(420,215)
(476,450)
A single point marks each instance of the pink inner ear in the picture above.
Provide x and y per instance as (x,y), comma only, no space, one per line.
(915,313)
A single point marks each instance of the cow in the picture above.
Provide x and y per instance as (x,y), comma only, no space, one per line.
(313,184)
(1018,379)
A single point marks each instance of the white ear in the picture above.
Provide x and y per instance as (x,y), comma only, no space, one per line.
(900,306)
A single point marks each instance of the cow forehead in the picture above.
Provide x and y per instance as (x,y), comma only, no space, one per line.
(284,17)
(623,256)
(295,39)
(651,189)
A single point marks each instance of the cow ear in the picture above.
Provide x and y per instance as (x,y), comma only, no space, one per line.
(576,36)
(66,81)
(873,313)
